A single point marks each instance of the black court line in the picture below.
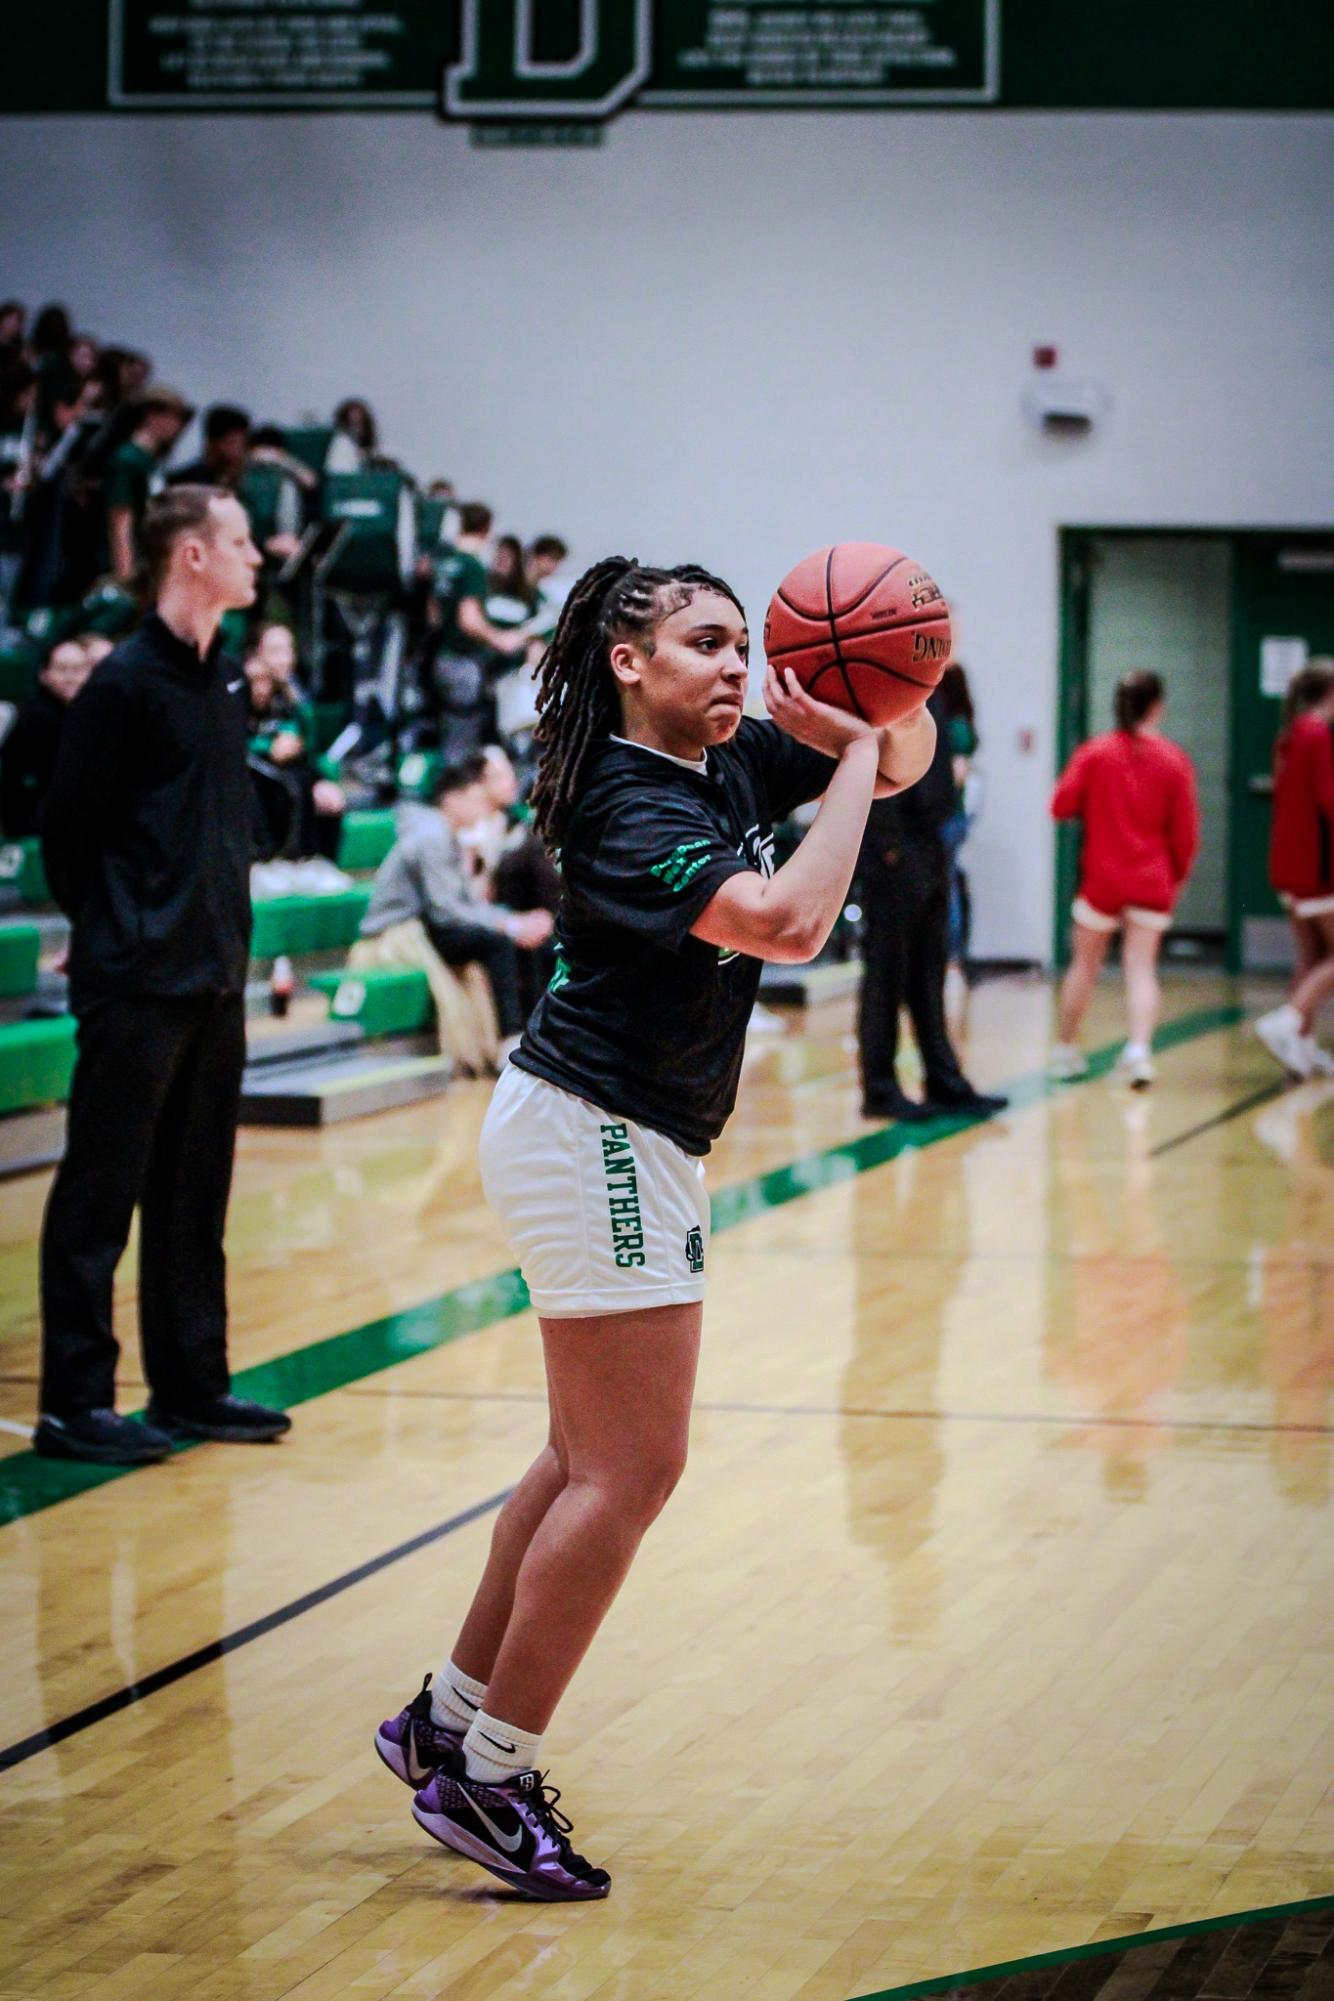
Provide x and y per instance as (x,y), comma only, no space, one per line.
(230,1643)
(1220,1118)
(1086,1418)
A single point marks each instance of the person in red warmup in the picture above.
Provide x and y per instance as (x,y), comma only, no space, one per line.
(1301,866)
(1135,794)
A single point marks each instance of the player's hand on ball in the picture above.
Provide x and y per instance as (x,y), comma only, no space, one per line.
(813,723)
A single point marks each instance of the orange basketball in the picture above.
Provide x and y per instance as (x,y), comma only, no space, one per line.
(863,628)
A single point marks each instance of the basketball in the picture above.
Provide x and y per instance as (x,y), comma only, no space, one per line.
(863,627)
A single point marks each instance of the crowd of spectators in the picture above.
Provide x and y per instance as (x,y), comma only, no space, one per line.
(435,656)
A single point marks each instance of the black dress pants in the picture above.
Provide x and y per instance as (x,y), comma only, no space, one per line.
(905,904)
(152,1121)
(497,955)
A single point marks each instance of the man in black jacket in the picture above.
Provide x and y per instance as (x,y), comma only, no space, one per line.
(146,835)
(904,875)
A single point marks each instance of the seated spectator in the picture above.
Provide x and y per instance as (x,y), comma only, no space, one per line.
(302,806)
(507,578)
(18,399)
(83,356)
(135,472)
(356,438)
(429,880)
(226,444)
(466,640)
(52,335)
(519,872)
(542,562)
(60,539)
(28,754)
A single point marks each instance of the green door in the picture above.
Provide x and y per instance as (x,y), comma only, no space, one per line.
(1283,610)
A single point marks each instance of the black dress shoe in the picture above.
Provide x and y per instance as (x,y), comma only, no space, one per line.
(102,1437)
(898,1105)
(228,1420)
(982,1104)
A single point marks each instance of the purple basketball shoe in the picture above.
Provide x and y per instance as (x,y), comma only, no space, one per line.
(514,1830)
(413,1747)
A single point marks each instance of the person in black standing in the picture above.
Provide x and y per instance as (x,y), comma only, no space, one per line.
(904,876)
(146,836)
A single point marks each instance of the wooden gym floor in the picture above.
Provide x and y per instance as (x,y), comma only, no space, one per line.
(995,1615)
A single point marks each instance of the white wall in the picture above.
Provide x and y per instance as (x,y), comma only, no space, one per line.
(737,338)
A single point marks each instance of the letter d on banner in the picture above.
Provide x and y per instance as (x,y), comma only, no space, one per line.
(498,76)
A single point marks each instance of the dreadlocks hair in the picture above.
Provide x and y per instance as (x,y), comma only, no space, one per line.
(577,702)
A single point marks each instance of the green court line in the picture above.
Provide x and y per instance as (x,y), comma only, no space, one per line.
(29,1483)
(945,1983)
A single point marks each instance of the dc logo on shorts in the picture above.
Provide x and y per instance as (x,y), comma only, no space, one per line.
(695,1250)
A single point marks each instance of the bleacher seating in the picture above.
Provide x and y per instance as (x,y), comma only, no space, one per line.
(19,947)
(22,868)
(366,839)
(389,1000)
(36,1063)
(299,924)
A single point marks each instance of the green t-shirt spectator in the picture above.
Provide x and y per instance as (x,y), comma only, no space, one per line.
(130,479)
(458,577)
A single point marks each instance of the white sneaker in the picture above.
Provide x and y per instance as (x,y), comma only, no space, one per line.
(1281,1033)
(1319,1058)
(1067,1064)
(1135,1066)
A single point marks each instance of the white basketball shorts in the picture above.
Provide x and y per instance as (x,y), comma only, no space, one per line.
(603,1215)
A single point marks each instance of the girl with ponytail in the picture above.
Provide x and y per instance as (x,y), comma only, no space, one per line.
(1134,792)
(661,799)
(1301,866)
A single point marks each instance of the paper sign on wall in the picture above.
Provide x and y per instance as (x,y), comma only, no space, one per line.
(1280,659)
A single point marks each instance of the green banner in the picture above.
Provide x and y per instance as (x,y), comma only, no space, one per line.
(235,54)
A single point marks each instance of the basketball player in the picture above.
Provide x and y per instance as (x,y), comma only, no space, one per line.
(1135,794)
(662,801)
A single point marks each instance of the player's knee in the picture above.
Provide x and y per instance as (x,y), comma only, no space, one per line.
(657,1479)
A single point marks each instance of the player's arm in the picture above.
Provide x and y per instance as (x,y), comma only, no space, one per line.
(789,916)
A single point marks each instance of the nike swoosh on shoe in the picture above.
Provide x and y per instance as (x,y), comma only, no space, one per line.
(511,1843)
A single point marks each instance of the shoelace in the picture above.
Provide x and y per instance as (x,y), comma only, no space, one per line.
(542,1799)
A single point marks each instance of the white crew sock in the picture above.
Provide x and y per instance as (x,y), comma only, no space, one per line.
(497,1752)
(1136,1052)
(455,1698)
(1286,1017)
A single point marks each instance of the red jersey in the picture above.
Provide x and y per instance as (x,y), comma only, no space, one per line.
(1136,797)
(1301,836)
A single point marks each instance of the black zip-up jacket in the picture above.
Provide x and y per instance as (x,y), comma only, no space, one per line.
(146,828)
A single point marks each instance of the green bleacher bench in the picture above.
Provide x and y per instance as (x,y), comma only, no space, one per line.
(418,773)
(21,865)
(366,839)
(36,1063)
(19,946)
(383,1000)
(300,924)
